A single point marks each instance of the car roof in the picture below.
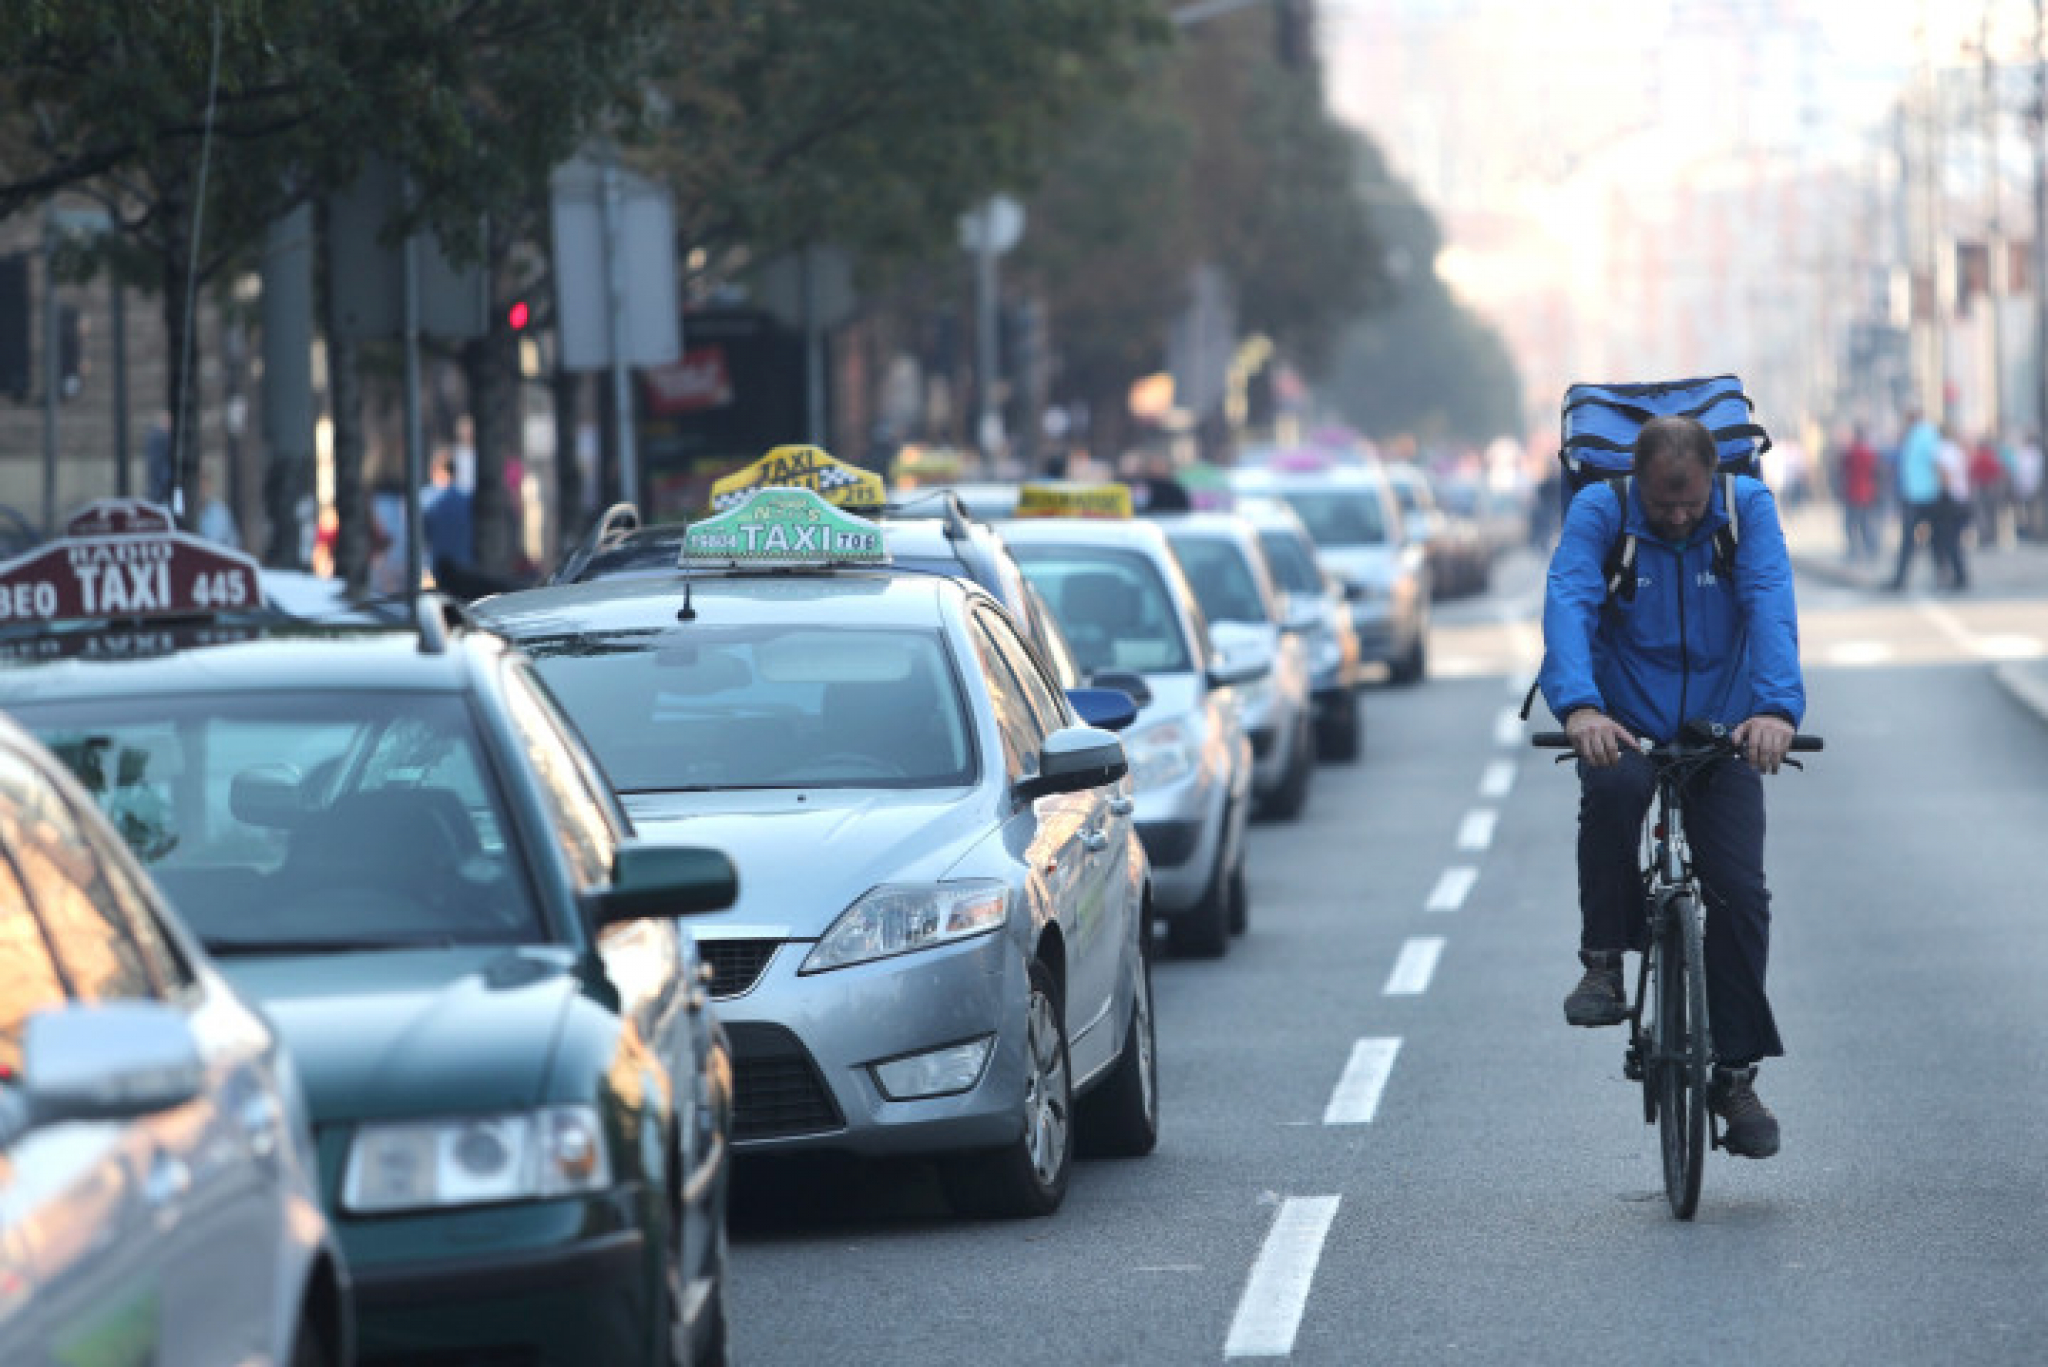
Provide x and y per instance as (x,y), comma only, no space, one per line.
(861,596)
(1132,534)
(1220,525)
(231,658)
(1365,477)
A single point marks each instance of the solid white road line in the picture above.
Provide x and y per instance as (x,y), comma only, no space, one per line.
(1452,887)
(1413,969)
(1357,1098)
(1475,832)
(1507,727)
(1498,779)
(1269,1312)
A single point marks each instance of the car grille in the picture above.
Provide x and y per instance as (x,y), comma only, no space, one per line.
(777,1090)
(736,965)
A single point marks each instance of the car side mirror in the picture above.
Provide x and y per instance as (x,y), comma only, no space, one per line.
(1108,709)
(108,1061)
(1124,681)
(1304,614)
(664,880)
(1073,761)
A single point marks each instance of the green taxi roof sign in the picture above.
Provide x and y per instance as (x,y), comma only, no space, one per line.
(778,528)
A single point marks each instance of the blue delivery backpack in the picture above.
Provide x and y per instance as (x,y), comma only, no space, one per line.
(1600,422)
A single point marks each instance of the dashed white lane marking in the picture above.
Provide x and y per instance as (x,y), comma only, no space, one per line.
(1414,967)
(1507,727)
(2010,647)
(1357,1098)
(1475,832)
(2007,646)
(1452,886)
(1498,779)
(1860,653)
(1269,1312)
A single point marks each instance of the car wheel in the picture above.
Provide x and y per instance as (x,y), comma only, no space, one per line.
(1240,900)
(309,1349)
(1203,930)
(714,1347)
(1120,1119)
(1292,794)
(1030,1176)
(1412,666)
(1342,734)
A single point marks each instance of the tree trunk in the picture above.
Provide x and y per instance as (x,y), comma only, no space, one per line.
(490,366)
(345,401)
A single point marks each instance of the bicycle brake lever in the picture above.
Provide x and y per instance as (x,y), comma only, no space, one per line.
(1793,764)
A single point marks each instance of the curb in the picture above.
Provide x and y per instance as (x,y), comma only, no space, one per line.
(2028,686)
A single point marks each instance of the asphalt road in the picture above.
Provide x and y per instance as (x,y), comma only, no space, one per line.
(1381,1143)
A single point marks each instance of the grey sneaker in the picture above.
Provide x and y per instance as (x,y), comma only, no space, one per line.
(1598,999)
(1749,1128)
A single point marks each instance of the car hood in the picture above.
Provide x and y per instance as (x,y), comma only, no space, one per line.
(416,1032)
(804,856)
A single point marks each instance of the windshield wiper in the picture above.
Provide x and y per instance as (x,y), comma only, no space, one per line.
(227,949)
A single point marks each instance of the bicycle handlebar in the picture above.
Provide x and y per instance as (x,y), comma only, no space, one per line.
(1558,740)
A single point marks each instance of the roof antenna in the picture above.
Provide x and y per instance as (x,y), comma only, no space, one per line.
(689,613)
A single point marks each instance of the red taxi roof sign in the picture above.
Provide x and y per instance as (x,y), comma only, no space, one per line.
(124,559)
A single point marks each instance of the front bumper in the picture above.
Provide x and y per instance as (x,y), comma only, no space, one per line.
(804,1047)
(564,1281)
(1184,829)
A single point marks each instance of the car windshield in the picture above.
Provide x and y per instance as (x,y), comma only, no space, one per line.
(1113,606)
(310,820)
(1340,517)
(1294,566)
(1221,579)
(701,708)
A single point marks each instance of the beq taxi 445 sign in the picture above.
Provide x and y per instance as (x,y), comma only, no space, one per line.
(783,527)
(125,560)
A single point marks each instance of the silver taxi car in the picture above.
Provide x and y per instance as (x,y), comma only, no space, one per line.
(939,945)
(1124,603)
(1318,610)
(158,1189)
(1226,566)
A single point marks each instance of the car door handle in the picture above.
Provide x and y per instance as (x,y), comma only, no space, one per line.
(1121,806)
(1093,840)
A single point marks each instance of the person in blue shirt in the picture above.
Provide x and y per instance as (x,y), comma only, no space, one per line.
(1918,467)
(1695,641)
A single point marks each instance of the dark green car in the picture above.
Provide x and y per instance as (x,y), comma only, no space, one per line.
(392,842)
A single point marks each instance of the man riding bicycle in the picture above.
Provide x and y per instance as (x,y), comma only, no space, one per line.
(1700,635)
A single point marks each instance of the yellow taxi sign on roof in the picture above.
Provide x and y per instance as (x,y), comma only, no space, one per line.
(777,528)
(1061,498)
(801,467)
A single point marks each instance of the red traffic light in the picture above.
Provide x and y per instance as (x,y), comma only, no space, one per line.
(518,315)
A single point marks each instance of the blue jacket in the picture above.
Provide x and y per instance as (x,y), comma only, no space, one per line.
(1688,647)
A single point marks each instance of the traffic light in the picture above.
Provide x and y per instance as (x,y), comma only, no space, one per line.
(518,315)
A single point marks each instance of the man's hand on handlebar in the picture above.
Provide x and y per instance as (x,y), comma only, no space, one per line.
(1598,738)
(1763,741)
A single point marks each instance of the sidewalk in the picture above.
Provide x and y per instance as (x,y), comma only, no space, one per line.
(1819,548)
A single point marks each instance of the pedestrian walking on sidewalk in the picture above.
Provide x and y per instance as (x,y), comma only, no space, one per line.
(1856,482)
(1919,476)
(1952,518)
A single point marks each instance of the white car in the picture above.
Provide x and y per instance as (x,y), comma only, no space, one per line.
(157,1175)
(1124,604)
(1226,566)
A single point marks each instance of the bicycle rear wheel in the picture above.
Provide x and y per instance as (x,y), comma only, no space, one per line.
(1682,1053)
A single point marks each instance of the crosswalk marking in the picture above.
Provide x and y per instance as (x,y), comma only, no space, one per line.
(1414,967)
(1357,1098)
(1452,887)
(1269,1312)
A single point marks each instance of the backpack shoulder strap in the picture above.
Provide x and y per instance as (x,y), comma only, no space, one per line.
(1620,569)
(1729,535)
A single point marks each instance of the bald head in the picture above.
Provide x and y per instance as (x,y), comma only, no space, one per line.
(1674,466)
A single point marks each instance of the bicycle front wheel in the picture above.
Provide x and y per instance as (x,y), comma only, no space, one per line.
(1682,1052)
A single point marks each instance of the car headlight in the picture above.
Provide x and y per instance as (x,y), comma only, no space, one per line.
(474,1160)
(1160,754)
(900,918)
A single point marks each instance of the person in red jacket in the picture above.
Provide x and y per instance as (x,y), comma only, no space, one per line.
(1859,484)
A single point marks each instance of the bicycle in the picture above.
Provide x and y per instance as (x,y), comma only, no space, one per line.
(1670,1043)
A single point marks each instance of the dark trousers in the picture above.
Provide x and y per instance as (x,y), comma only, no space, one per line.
(1914,516)
(1724,822)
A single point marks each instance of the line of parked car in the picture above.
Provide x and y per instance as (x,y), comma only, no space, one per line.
(345,959)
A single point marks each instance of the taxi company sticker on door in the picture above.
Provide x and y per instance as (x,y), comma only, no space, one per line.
(800,467)
(1108,501)
(784,527)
